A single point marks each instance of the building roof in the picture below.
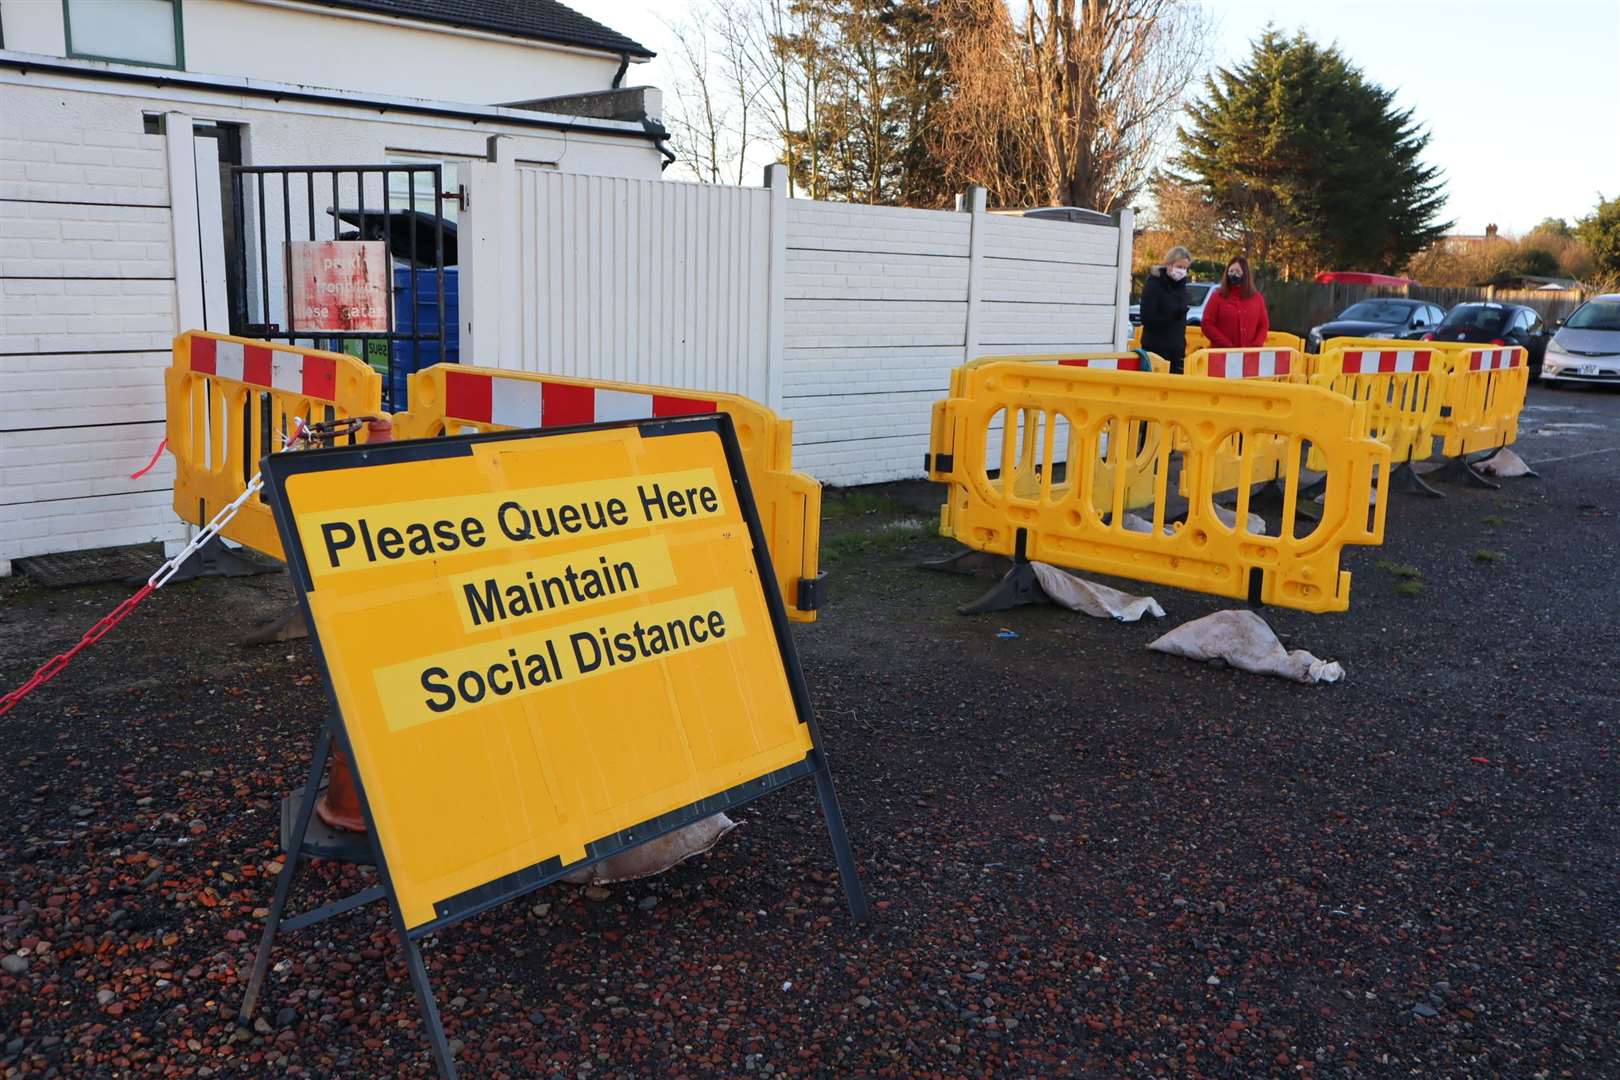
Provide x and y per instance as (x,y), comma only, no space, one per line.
(540,20)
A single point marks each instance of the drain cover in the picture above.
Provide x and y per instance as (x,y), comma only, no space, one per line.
(72,568)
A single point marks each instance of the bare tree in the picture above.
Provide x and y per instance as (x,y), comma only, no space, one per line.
(698,121)
(744,84)
(1067,102)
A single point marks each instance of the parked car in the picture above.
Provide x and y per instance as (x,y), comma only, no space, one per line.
(1197,296)
(1379,318)
(1496,324)
(1586,347)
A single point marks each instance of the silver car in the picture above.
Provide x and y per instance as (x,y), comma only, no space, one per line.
(1586,347)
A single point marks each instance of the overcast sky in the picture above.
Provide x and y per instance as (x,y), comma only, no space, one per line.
(1522,97)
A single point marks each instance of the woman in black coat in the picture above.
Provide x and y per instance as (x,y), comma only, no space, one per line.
(1164,307)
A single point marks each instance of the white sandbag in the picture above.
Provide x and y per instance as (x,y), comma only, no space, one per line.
(1093,599)
(1137,523)
(1242,639)
(1228,517)
(656,856)
(1504,463)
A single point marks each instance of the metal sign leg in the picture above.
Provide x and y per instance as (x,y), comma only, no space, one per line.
(853,892)
(292,859)
(424,998)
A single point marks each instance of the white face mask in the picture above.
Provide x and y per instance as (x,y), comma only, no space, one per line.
(1177,273)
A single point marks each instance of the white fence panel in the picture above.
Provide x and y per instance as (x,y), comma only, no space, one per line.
(845,318)
(642,281)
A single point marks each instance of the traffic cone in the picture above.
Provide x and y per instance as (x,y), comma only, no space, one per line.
(339,805)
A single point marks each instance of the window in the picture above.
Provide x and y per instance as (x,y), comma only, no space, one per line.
(400,184)
(125,31)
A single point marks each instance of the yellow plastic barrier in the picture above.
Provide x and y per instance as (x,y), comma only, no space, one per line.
(1271,364)
(1062,524)
(1403,383)
(233,400)
(1276,339)
(455,398)
(1485,392)
(1131,456)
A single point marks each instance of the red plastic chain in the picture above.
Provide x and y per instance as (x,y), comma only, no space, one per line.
(50,668)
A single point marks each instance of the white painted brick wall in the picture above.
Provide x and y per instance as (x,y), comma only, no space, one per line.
(77,524)
(85,315)
(84,240)
(75,389)
(74,159)
(59,464)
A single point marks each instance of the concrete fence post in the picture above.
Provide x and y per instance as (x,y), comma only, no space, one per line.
(489,251)
(972,201)
(776,182)
(1125,221)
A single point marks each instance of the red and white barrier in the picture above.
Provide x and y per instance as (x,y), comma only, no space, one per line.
(290,370)
(1250,363)
(529,403)
(1107,363)
(1495,359)
(1385,361)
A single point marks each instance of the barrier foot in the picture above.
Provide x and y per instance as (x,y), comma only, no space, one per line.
(1405,479)
(1459,470)
(288,626)
(1017,588)
(971,563)
(214,559)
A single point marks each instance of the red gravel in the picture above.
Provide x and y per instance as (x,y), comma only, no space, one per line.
(1084,859)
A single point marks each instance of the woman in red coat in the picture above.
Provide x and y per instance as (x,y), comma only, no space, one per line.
(1235,316)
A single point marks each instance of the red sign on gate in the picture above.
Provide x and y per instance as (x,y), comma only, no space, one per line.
(338,285)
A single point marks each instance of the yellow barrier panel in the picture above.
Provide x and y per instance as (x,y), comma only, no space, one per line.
(1131,456)
(1486,385)
(1269,363)
(1276,339)
(1403,383)
(1062,524)
(459,398)
(233,400)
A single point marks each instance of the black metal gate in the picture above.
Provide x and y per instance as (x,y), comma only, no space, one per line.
(272,206)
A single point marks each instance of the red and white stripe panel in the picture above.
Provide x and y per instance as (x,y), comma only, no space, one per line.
(1106,363)
(1495,359)
(290,370)
(1250,364)
(1385,361)
(529,403)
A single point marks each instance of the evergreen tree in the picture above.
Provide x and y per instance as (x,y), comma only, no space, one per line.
(1309,164)
(1601,232)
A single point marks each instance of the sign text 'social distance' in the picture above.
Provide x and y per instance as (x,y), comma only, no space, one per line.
(432,687)
(357,538)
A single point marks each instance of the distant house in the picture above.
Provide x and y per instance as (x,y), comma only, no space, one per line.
(120,124)
(1532,281)
(1460,242)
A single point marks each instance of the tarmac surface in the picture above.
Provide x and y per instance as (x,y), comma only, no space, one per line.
(1084,858)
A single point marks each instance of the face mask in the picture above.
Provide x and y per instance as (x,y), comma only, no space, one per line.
(1177,273)
(1235,274)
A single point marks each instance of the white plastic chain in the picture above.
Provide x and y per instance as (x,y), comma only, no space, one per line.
(163,573)
(206,533)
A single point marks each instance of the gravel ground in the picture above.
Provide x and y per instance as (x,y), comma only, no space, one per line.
(1084,859)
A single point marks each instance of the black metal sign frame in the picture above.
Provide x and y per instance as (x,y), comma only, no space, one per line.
(302,838)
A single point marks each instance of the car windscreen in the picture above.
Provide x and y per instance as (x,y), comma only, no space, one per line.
(1376,311)
(1196,294)
(1596,315)
(1491,320)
